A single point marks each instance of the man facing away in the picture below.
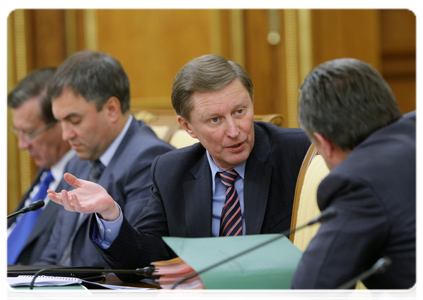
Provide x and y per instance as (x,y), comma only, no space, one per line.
(351,115)
(239,179)
(39,133)
(91,99)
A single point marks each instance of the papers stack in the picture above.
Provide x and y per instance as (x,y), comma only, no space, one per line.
(42,281)
(171,271)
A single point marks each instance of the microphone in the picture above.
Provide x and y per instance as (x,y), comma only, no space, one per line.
(323,217)
(380,266)
(31,207)
(147,272)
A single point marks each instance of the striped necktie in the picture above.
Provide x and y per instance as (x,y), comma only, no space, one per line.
(231,218)
(24,226)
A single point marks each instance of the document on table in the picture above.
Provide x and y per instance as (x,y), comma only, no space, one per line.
(24,280)
(267,267)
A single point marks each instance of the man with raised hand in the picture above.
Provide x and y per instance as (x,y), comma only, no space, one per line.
(91,100)
(239,179)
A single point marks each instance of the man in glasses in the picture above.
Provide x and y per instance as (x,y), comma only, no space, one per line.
(40,134)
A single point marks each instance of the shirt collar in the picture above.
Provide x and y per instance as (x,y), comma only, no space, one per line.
(240,169)
(110,152)
(58,168)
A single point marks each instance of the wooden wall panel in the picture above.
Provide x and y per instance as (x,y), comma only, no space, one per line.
(404,90)
(49,44)
(398,47)
(152,46)
(398,34)
(346,33)
(265,64)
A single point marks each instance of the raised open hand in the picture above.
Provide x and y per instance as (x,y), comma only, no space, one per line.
(87,197)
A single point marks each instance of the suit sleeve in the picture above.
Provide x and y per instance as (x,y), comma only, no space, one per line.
(350,243)
(138,245)
(132,191)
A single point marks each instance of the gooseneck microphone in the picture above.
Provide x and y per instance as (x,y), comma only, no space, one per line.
(147,272)
(323,217)
(380,266)
(31,207)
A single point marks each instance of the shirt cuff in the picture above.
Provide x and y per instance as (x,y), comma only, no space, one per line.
(105,232)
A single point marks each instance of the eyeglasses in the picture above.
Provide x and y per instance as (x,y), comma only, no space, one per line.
(28,137)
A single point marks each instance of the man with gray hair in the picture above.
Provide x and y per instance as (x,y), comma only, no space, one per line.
(91,100)
(351,115)
(251,167)
(38,132)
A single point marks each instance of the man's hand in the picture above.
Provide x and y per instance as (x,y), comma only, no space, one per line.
(87,197)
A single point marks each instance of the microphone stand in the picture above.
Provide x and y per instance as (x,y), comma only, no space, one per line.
(14,214)
(326,215)
(147,271)
(31,207)
(380,266)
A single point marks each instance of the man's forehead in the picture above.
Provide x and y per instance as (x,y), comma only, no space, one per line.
(28,109)
(67,92)
(69,104)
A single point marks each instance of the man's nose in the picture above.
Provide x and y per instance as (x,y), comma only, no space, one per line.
(67,131)
(232,129)
(23,143)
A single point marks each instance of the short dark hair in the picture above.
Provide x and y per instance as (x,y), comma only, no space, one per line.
(93,75)
(345,100)
(34,85)
(207,73)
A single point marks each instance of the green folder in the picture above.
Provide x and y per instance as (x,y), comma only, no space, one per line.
(267,267)
(22,291)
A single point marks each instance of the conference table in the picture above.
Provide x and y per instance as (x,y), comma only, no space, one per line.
(113,280)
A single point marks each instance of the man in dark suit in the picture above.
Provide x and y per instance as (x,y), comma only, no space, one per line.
(193,188)
(91,100)
(352,117)
(39,133)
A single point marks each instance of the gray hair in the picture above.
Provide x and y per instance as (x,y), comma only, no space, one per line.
(345,100)
(34,85)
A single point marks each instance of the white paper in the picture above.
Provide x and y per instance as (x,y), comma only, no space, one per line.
(25,280)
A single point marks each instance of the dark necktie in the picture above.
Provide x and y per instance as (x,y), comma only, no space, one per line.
(24,226)
(96,171)
(231,218)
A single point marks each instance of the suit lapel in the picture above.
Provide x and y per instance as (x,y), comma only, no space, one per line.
(198,200)
(257,183)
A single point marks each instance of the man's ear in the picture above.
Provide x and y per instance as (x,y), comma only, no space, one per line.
(324,145)
(187,126)
(113,108)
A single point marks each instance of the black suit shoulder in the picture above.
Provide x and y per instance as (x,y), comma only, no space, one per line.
(374,193)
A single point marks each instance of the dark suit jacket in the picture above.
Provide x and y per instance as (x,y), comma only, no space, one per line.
(126,179)
(181,200)
(374,193)
(40,234)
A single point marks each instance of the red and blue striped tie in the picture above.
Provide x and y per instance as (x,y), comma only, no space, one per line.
(231,218)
